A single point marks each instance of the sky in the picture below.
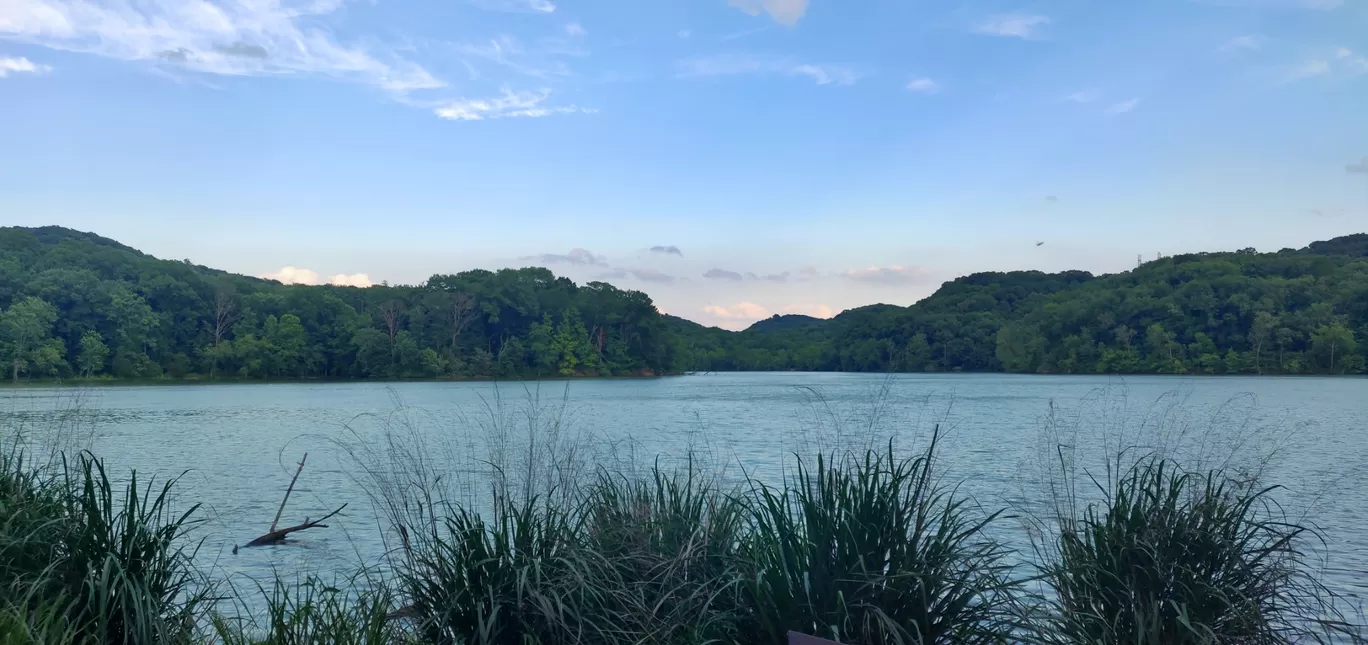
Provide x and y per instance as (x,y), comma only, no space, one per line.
(732,158)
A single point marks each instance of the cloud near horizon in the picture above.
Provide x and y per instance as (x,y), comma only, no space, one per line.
(296,275)
(576,256)
(1359,168)
(667,250)
(890,275)
(723,274)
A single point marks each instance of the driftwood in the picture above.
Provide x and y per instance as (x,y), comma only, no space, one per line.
(277,535)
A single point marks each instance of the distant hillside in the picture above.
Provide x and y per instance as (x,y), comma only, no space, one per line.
(1296,311)
(74,303)
(778,323)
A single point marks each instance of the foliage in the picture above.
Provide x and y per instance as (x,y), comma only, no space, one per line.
(84,565)
(1175,557)
(875,551)
(1291,312)
(75,304)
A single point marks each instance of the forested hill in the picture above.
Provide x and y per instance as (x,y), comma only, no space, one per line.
(1290,312)
(74,304)
(78,304)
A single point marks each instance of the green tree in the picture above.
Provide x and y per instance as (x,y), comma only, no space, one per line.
(25,332)
(1330,343)
(93,354)
(1261,332)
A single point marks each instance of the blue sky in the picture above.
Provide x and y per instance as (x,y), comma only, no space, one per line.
(783,155)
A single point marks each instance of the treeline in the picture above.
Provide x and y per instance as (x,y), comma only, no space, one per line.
(76,304)
(1291,312)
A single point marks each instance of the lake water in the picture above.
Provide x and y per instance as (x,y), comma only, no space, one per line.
(238,443)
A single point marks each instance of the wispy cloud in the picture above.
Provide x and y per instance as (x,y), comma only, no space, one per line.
(517,6)
(922,85)
(576,256)
(267,37)
(652,275)
(20,65)
(1306,69)
(509,105)
(723,274)
(667,250)
(1083,96)
(1355,63)
(1360,168)
(509,53)
(575,30)
(890,275)
(1248,42)
(1123,107)
(1012,25)
(740,64)
(784,12)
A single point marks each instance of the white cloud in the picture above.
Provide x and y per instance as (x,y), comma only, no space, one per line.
(739,64)
(20,66)
(784,12)
(354,280)
(292,275)
(575,29)
(816,311)
(1242,43)
(509,105)
(517,6)
(685,33)
(739,311)
(723,274)
(1123,106)
(896,274)
(240,38)
(1012,25)
(923,85)
(1083,96)
(1356,63)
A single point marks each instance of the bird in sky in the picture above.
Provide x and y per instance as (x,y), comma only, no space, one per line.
(1040,244)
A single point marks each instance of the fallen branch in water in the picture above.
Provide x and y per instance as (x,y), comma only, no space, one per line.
(276,536)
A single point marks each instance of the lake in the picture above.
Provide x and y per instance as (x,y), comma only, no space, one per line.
(238,443)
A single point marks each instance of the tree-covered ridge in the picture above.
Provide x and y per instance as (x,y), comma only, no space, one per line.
(1291,312)
(74,303)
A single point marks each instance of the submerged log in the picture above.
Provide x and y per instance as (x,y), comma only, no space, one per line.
(277,535)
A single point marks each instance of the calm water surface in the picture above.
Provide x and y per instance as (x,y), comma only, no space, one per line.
(238,443)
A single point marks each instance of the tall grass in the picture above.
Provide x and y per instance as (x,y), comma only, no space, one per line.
(1176,557)
(543,535)
(875,550)
(81,560)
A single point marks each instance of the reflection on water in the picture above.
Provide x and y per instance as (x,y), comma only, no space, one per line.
(237,444)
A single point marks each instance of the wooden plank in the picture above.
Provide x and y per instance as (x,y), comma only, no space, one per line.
(794,638)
